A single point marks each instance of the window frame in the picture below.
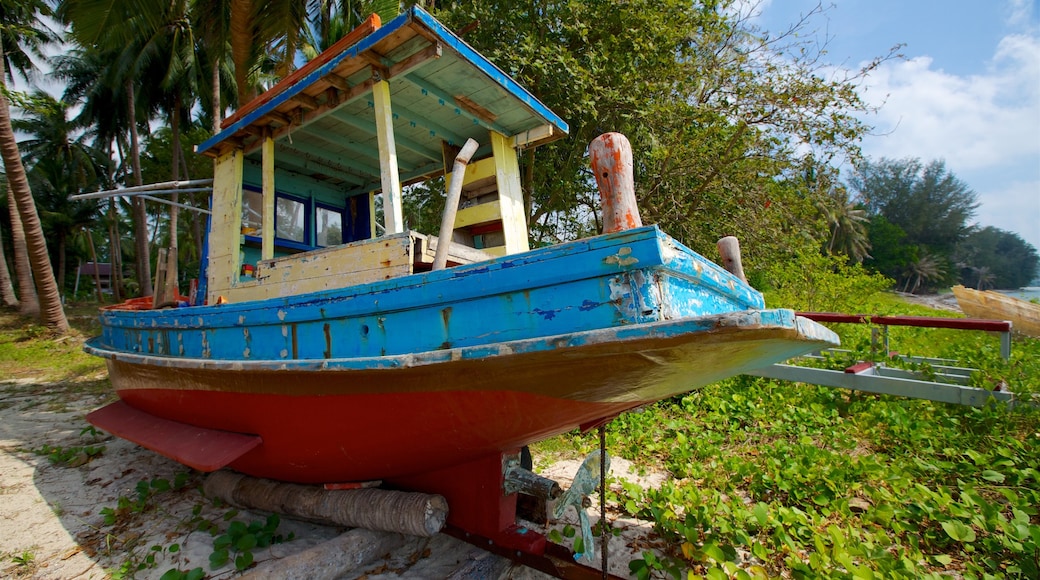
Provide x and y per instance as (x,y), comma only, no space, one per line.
(342,211)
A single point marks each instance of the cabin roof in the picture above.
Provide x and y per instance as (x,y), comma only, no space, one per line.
(442,91)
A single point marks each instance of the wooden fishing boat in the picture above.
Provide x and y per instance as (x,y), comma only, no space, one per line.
(327,345)
(1024,316)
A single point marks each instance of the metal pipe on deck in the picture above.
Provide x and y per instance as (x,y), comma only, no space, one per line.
(451,204)
(151,187)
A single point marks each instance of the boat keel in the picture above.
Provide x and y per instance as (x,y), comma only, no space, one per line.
(197,447)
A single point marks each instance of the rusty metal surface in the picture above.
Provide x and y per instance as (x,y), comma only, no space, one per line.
(556,561)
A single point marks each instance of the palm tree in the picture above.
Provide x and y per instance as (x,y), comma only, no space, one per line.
(24,16)
(59,166)
(154,44)
(28,302)
(925,268)
(847,222)
(7,295)
(91,80)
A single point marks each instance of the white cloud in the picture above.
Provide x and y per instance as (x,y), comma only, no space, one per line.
(985,126)
(977,121)
(1019,14)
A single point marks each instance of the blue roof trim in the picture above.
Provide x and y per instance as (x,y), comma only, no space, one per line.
(488,68)
(419,15)
(305,82)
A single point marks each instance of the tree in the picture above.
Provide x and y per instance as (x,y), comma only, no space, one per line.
(708,101)
(28,302)
(891,253)
(927,202)
(47,289)
(7,295)
(59,165)
(995,258)
(848,225)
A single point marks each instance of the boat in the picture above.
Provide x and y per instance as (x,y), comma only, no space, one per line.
(1024,316)
(327,344)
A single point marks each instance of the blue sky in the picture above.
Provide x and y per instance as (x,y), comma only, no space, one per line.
(967,90)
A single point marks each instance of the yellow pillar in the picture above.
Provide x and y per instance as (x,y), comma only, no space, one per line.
(226,225)
(393,217)
(267,177)
(510,195)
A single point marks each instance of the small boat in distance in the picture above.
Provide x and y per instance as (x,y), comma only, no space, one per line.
(330,344)
(1024,316)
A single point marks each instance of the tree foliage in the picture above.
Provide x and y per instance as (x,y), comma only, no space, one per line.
(922,211)
(994,258)
(713,106)
(927,202)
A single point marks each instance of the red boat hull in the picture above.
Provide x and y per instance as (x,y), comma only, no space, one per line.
(325,424)
(342,438)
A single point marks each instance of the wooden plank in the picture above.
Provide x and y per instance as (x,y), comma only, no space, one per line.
(478,214)
(197,447)
(457,253)
(390,178)
(329,268)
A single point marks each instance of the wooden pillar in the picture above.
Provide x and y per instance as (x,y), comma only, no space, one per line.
(393,217)
(510,195)
(226,225)
(267,179)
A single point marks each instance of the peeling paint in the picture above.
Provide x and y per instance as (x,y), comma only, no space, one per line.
(328,340)
(281,314)
(546,314)
(623,257)
(587,305)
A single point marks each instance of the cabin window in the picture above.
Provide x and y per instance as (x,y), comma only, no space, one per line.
(252,211)
(328,225)
(290,221)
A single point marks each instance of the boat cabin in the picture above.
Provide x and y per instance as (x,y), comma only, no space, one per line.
(308,176)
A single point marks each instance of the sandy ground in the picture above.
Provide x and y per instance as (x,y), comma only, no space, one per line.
(52,525)
(942,301)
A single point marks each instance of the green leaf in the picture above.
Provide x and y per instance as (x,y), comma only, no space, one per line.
(994,476)
(959,531)
(218,558)
(246,542)
(761,513)
(243,561)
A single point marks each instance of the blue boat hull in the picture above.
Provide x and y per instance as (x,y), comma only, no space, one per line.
(400,377)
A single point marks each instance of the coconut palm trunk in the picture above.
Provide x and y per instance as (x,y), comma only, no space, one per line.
(28,303)
(7,296)
(47,289)
(140,213)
